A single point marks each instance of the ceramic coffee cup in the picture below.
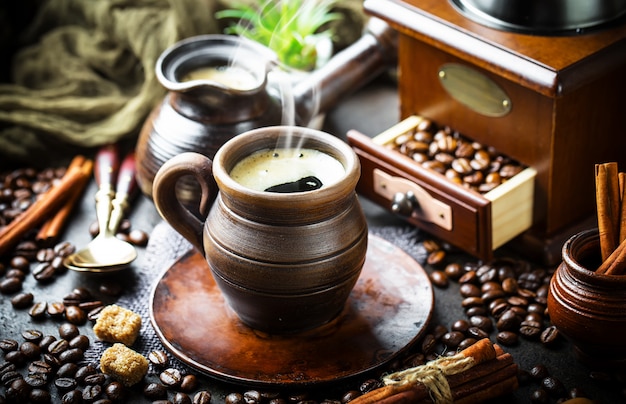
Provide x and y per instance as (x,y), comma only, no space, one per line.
(285,241)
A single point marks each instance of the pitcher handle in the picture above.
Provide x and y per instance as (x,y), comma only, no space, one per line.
(166,200)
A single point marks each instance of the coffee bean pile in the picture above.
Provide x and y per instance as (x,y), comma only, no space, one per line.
(463,161)
(19,189)
(40,365)
(507,295)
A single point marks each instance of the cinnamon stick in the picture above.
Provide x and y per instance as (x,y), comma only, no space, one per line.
(487,387)
(41,209)
(615,264)
(487,380)
(621,177)
(50,230)
(494,390)
(608,206)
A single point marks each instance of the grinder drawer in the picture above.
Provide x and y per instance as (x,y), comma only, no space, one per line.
(476,222)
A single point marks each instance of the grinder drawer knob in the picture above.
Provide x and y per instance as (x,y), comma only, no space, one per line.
(404,203)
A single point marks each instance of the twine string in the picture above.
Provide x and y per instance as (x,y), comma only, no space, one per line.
(433,376)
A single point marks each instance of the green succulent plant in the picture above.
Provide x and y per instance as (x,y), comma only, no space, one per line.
(291,28)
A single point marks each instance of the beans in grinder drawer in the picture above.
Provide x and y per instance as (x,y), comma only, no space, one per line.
(461,160)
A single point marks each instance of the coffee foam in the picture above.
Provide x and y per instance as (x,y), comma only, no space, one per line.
(271,167)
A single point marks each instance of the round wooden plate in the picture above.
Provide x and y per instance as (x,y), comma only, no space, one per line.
(389,309)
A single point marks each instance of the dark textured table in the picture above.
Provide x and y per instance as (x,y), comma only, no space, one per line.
(370,111)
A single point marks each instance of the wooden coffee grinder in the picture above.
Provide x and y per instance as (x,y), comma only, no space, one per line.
(546,88)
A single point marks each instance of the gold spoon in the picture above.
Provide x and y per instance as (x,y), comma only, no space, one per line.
(106,252)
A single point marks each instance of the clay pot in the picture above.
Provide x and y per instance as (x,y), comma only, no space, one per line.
(589,308)
(285,262)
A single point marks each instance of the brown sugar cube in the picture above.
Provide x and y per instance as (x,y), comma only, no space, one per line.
(123,364)
(117,324)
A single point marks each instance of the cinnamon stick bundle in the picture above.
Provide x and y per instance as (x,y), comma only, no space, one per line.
(611,211)
(492,373)
(45,206)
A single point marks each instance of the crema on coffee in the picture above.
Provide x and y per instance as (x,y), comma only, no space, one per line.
(287,170)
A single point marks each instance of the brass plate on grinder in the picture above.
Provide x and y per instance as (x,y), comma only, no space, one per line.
(389,308)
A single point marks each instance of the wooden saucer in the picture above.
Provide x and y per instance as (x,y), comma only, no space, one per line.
(389,309)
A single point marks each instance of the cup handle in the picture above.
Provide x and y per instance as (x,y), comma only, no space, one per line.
(166,200)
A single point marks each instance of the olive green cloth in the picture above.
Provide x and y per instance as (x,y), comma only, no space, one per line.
(86,74)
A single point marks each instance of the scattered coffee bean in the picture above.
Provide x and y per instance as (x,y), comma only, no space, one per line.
(83,372)
(96,378)
(171,377)
(539,372)
(553,386)
(90,305)
(138,237)
(38,310)
(234,398)
(91,392)
(530,329)
(454,271)
(540,396)
(71,355)
(8,345)
(10,285)
(65,384)
(436,257)
(68,331)
(72,397)
(58,346)
(40,367)
(79,341)
(181,398)
(252,396)
(18,391)
(158,358)
(507,338)
(369,385)
(189,383)
(155,391)
(93,314)
(439,279)
(202,397)
(38,396)
(36,380)
(9,376)
(75,315)
(44,272)
(22,300)
(115,391)
(550,336)
(56,309)
(20,262)
(67,370)
(30,350)
(16,357)
(45,342)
